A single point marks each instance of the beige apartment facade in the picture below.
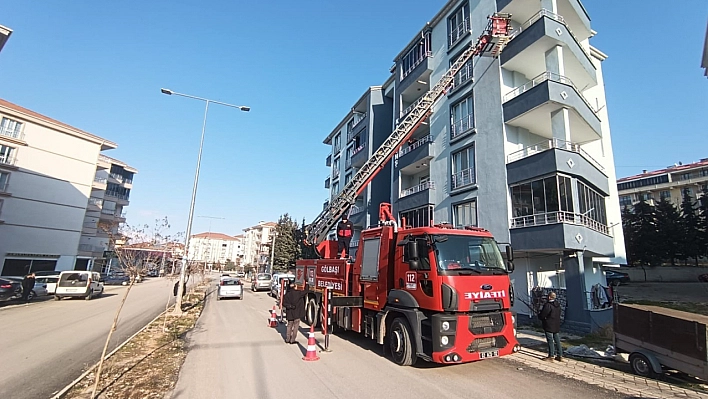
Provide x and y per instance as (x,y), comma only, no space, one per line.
(47,182)
(213,248)
(257,243)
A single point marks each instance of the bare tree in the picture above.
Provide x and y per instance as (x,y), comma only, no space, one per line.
(136,249)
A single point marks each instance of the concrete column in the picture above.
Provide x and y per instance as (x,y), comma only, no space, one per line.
(576,307)
(560,124)
(550,5)
(554,60)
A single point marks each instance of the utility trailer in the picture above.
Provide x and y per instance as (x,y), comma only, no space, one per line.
(657,338)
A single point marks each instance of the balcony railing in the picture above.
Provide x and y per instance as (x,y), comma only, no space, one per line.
(553,143)
(559,217)
(555,17)
(7,159)
(101,180)
(127,180)
(410,108)
(358,117)
(355,210)
(7,132)
(554,77)
(116,176)
(463,76)
(117,195)
(104,158)
(95,201)
(91,248)
(108,212)
(458,32)
(461,126)
(414,65)
(419,143)
(463,178)
(358,149)
(428,185)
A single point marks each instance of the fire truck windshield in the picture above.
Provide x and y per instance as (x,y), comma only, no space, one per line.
(466,253)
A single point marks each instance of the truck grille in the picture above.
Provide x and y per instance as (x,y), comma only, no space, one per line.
(483,344)
(487,323)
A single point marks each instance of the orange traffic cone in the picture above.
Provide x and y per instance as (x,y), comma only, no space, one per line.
(273,322)
(311,354)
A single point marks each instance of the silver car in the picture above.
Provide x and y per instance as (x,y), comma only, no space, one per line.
(229,288)
(40,287)
(261,282)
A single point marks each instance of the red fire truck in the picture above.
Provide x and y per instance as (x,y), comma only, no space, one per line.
(436,293)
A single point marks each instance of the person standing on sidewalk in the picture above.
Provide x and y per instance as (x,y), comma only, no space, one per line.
(550,318)
(294,303)
(27,286)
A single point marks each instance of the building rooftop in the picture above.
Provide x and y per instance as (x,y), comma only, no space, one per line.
(121,163)
(5,33)
(53,123)
(261,225)
(215,236)
(671,169)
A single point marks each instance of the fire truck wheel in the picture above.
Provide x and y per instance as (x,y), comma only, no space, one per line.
(400,344)
(311,312)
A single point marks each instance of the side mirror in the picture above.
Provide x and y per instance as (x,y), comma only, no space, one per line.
(510,266)
(412,249)
(509,253)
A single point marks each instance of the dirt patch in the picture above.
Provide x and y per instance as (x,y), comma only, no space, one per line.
(148,366)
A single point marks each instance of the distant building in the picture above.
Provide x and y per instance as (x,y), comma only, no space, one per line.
(671,183)
(55,189)
(256,242)
(212,248)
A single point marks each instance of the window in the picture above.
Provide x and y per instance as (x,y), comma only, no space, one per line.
(704,172)
(464,75)
(348,158)
(592,204)
(11,128)
(685,176)
(416,55)
(6,154)
(337,143)
(335,168)
(462,118)
(335,188)
(626,200)
(649,181)
(465,214)
(458,24)
(359,143)
(665,194)
(542,196)
(687,192)
(419,217)
(463,168)
(347,178)
(646,196)
(4,178)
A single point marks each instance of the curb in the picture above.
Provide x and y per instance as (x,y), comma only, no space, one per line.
(66,389)
(610,379)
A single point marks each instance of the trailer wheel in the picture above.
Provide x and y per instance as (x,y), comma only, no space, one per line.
(641,365)
(312,312)
(400,344)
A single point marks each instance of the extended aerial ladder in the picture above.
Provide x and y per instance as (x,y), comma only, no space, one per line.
(490,43)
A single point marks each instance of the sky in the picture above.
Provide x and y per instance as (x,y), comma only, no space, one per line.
(300,66)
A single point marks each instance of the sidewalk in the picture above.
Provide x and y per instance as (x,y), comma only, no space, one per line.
(604,377)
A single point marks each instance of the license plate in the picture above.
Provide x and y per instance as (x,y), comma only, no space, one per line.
(72,290)
(487,355)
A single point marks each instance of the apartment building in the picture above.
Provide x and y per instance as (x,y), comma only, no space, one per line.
(212,248)
(49,192)
(110,195)
(672,183)
(257,243)
(520,145)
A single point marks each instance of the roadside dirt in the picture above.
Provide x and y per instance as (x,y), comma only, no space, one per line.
(148,366)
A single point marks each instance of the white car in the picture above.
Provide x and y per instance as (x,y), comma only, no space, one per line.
(50,282)
(229,288)
(79,283)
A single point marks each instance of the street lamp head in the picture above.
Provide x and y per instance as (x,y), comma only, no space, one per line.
(244,109)
(166,91)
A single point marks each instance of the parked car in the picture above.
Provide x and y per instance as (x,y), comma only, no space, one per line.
(229,288)
(616,278)
(9,289)
(79,283)
(39,289)
(49,281)
(277,282)
(115,279)
(261,282)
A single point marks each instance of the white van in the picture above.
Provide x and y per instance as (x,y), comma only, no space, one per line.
(78,283)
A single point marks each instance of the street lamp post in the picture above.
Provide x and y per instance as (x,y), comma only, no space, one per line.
(185,258)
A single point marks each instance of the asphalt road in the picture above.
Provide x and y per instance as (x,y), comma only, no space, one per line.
(234,354)
(46,345)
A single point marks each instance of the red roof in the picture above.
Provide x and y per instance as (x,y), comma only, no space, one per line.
(215,236)
(671,169)
(15,107)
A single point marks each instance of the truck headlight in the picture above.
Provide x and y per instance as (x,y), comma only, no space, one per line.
(445,325)
(444,340)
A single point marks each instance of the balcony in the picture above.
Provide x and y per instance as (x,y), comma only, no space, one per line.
(327,182)
(530,105)
(104,162)
(328,162)
(415,155)
(461,127)
(573,12)
(561,230)
(355,210)
(415,61)
(95,203)
(99,183)
(355,126)
(360,155)
(526,52)
(12,135)
(463,178)
(429,185)
(7,160)
(119,198)
(89,228)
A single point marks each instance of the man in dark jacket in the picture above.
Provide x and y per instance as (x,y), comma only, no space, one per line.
(550,318)
(27,286)
(294,304)
(345,230)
